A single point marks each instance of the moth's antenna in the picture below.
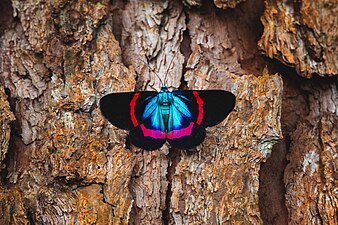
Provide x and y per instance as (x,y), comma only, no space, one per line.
(165,77)
(162,84)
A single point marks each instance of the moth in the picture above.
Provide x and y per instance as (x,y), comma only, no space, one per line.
(179,117)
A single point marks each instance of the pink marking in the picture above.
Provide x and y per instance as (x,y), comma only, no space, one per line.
(157,134)
(200,103)
(181,132)
(132,109)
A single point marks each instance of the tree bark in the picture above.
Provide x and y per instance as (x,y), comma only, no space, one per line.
(302,35)
(63,163)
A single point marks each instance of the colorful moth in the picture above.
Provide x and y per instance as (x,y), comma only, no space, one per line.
(180,116)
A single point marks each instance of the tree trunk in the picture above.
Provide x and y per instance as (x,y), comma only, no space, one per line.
(63,163)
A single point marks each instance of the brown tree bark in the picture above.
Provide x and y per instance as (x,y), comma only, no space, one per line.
(303,35)
(63,163)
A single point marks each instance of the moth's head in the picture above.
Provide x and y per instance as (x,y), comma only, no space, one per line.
(164,88)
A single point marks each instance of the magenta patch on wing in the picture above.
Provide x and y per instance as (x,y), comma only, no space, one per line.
(157,134)
(181,132)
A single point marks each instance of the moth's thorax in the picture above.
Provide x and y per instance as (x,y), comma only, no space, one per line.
(165,99)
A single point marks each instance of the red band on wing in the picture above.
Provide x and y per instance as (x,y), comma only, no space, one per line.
(181,132)
(132,109)
(157,134)
(200,103)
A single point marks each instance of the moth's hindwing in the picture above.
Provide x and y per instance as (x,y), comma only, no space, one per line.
(142,139)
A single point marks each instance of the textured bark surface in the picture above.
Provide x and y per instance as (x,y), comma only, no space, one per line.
(63,163)
(222,4)
(6,117)
(311,174)
(302,34)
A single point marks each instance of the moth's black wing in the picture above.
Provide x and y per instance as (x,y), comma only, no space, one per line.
(116,107)
(217,105)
